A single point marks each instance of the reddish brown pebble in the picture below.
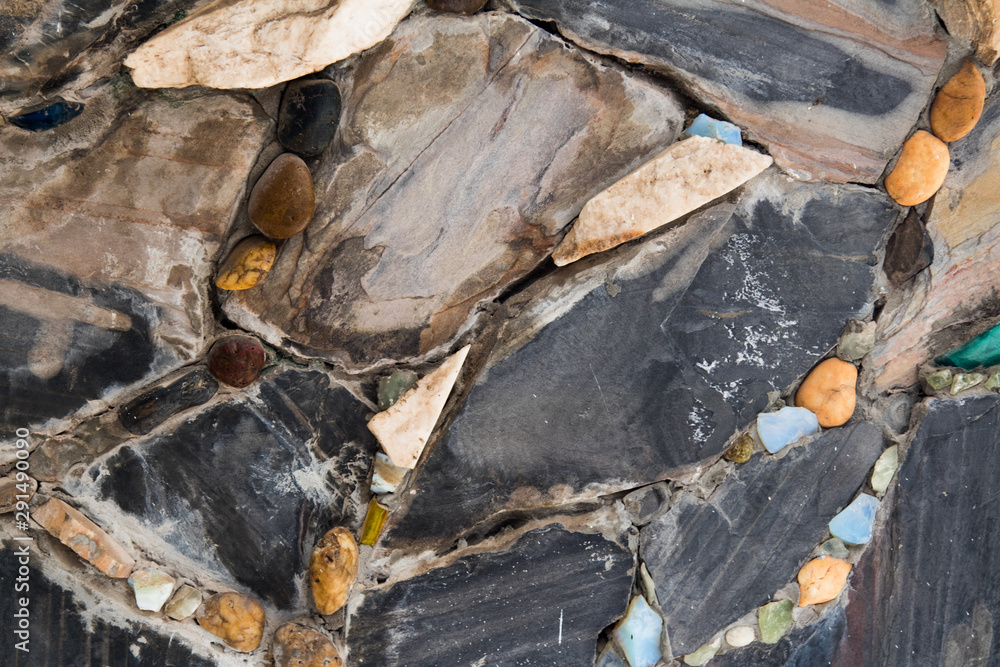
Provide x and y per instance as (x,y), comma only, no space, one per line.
(920,170)
(236,619)
(298,646)
(959,104)
(237,360)
(282,202)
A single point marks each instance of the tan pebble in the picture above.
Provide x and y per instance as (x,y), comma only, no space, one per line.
(920,170)
(822,579)
(959,104)
(236,619)
(85,538)
(333,569)
(247,264)
(11,488)
(829,392)
(298,646)
(283,202)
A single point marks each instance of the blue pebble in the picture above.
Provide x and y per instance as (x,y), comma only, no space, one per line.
(638,634)
(781,428)
(703,126)
(48,117)
(854,523)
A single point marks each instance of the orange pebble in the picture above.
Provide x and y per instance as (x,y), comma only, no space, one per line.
(959,104)
(829,392)
(920,170)
(822,579)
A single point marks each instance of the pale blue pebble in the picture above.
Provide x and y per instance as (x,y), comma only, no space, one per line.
(854,523)
(638,634)
(781,428)
(704,126)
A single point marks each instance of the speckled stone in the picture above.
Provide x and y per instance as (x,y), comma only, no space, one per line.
(282,202)
(333,568)
(47,116)
(959,104)
(741,450)
(237,360)
(298,646)
(247,263)
(457,6)
(238,620)
(309,115)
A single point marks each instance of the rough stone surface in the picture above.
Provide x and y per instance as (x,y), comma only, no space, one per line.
(246,264)
(457,6)
(298,646)
(109,237)
(703,322)
(236,619)
(647,503)
(703,556)
(9,490)
(518,129)
(151,408)
(975,20)
(258,43)
(955,300)
(686,176)
(237,360)
(309,115)
(283,200)
(857,340)
(84,537)
(291,458)
(959,104)
(333,569)
(920,170)
(909,250)
(47,117)
(831,90)
(499,608)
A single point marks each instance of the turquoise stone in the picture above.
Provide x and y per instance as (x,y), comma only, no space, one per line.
(638,634)
(983,350)
(854,523)
(704,126)
(779,429)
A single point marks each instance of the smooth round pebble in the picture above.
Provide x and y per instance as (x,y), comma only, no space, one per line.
(740,636)
(309,115)
(920,170)
(283,202)
(236,619)
(829,392)
(457,6)
(237,360)
(247,263)
(959,104)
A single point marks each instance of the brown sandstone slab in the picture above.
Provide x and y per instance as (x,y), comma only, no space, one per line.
(85,538)
(434,206)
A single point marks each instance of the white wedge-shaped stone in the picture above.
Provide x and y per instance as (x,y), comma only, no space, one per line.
(689,174)
(259,43)
(403,429)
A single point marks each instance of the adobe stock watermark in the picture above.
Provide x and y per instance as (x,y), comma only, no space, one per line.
(21,599)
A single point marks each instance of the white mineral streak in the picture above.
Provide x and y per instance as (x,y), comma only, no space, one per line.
(403,429)
(259,43)
(686,176)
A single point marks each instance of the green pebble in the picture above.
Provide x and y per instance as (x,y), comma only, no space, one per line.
(703,654)
(939,379)
(835,547)
(392,387)
(774,619)
(993,381)
(884,469)
(741,450)
(965,381)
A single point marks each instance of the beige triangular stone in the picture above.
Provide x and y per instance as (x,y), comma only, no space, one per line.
(403,429)
(259,43)
(687,175)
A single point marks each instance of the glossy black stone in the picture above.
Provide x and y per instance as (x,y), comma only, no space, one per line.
(623,391)
(97,358)
(715,561)
(226,487)
(48,117)
(147,411)
(542,602)
(309,115)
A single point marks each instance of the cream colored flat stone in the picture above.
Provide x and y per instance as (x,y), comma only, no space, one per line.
(259,43)
(689,174)
(403,429)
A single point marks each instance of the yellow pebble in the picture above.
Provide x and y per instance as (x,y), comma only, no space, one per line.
(247,264)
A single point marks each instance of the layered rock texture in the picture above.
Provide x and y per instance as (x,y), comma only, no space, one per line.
(561,333)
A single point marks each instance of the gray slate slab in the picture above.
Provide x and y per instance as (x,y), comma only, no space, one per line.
(712,562)
(542,602)
(590,394)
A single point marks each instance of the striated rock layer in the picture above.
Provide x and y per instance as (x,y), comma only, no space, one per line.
(439,204)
